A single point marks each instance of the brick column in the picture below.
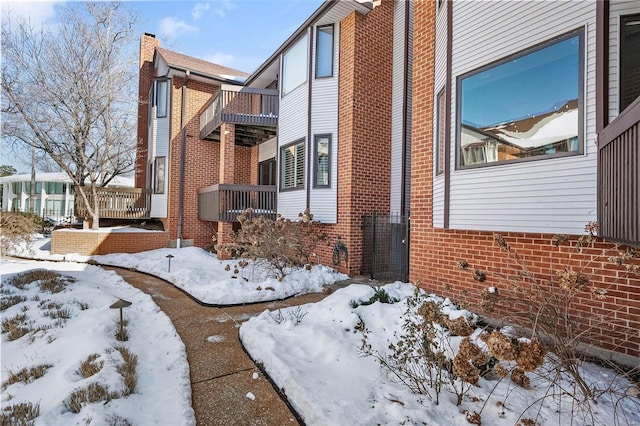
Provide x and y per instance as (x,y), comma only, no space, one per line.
(227,171)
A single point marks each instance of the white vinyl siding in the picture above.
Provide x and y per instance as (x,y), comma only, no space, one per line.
(439,82)
(556,195)
(617,8)
(159,147)
(324,120)
(397,102)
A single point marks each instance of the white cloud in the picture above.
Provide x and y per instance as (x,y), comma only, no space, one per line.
(221,59)
(197,10)
(38,13)
(223,6)
(170,27)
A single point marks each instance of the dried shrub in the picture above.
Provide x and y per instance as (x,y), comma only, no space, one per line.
(128,370)
(8,301)
(430,311)
(93,393)
(459,326)
(17,231)
(89,366)
(520,378)
(465,370)
(50,281)
(530,355)
(23,414)
(16,327)
(281,244)
(502,347)
(26,375)
(117,420)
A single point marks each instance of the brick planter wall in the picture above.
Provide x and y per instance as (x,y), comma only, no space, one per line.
(88,242)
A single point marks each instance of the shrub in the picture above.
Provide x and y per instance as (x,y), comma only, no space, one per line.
(17,231)
(26,375)
(93,393)
(23,414)
(50,281)
(128,370)
(89,366)
(8,301)
(281,244)
(16,326)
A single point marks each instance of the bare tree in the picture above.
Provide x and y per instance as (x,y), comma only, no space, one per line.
(69,91)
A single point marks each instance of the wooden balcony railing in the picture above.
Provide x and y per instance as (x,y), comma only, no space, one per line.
(118,203)
(224,202)
(619,177)
(241,106)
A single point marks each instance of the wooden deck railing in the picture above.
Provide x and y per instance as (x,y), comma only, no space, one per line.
(224,202)
(240,105)
(118,203)
(619,177)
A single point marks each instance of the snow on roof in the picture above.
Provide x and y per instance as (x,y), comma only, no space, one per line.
(121,181)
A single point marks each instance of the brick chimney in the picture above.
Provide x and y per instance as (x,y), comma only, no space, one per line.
(148,44)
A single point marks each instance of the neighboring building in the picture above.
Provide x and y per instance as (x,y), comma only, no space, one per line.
(343,130)
(53,196)
(323,124)
(527,126)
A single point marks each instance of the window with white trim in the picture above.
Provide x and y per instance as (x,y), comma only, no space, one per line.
(292,166)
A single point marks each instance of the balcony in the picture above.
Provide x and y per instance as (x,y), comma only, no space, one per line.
(118,203)
(224,202)
(253,111)
(619,177)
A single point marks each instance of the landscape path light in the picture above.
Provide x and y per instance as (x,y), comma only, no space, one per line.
(119,305)
(169,256)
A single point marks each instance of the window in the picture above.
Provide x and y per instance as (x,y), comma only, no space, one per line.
(322,149)
(54,208)
(294,66)
(158,175)
(161,94)
(15,205)
(54,187)
(16,187)
(267,170)
(324,51)
(440,133)
(27,188)
(527,106)
(292,166)
(629,60)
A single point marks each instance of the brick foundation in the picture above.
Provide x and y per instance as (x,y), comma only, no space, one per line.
(89,242)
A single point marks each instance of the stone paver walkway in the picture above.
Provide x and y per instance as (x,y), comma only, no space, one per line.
(221,372)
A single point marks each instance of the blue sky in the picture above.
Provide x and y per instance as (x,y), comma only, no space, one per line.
(240,34)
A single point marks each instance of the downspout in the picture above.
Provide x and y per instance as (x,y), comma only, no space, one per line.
(182,149)
(310,143)
(405,112)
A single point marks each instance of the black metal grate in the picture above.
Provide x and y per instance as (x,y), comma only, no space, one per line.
(385,246)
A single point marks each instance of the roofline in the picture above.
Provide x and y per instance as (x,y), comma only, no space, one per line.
(184,71)
(315,16)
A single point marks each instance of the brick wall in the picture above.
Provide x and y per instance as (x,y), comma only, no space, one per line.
(146,75)
(90,242)
(435,252)
(364,128)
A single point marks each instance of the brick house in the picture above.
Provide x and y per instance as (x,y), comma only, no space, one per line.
(343,143)
(527,127)
(197,132)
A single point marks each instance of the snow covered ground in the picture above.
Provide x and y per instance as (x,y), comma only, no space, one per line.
(312,352)
(76,323)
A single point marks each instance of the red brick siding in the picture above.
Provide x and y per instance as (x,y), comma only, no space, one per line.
(65,241)
(364,131)
(435,252)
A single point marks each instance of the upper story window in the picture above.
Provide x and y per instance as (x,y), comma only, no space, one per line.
(524,107)
(27,188)
(629,60)
(324,51)
(294,66)
(161,94)
(16,187)
(292,166)
(54,187)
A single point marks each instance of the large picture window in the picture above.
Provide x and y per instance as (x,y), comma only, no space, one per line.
(292,166)
(294,66)
(527,106)
(322,149)
(324,51)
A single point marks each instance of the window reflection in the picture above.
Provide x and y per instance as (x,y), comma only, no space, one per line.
(526,106)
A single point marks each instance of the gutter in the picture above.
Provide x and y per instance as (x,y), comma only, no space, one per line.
(311,20)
